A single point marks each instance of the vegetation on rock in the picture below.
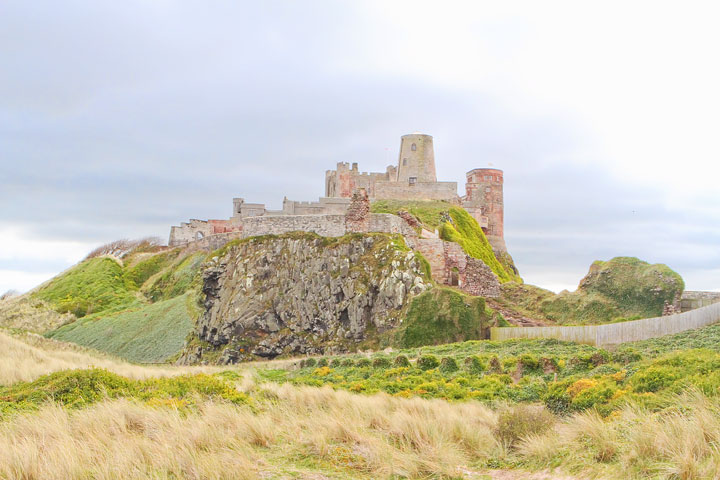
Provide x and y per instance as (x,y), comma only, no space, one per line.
(444,315)
(465,231)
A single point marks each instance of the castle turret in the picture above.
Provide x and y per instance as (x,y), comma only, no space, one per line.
(417,159)
(484,201)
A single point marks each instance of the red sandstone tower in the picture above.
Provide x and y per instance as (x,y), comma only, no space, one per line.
(484,201)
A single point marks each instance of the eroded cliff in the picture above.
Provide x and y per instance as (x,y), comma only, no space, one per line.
(301,293)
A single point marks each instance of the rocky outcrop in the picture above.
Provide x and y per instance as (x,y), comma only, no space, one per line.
(302,294)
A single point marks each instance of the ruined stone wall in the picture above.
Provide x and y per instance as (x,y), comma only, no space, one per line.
(196,230)
(691,300)
(419,191)
(484,198)
(346,180)
(451,266)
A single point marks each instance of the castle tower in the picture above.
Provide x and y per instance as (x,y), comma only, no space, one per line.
(417,159)
(484,201)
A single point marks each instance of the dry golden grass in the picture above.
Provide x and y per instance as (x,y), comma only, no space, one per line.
(292,433)
(29,356)
(681,443)
(33,315)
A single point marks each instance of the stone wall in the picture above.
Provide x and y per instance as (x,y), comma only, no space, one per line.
(691,300)
(417,191)
(196,230)
(325,225)
(450,265)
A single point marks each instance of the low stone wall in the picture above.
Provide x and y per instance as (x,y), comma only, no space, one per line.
(616,333)
(211,242)
(325,225)
(691,300)
(417,191)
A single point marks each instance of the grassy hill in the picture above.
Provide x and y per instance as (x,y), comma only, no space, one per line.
(149,334)
(623,288)
(139,306)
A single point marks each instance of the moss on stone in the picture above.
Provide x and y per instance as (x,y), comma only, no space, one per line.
(443,315)
(465,231)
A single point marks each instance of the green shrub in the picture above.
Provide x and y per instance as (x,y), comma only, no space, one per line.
(363,362)
(520,421)
(347,362)
(381,362)
(323,362)
(427,362)
(448,365)
(475,365)
(528,362)
(335,363)
(401,361)
(494,365)
(308,362)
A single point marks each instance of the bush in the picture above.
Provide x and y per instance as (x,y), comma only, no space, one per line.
(323,362)
(518,422)
(335,362)
(348,362)
(381,362)
(363,362)
(308,362)
(401,361)
(475,365)
(448,365)
(427,362)
(494,366)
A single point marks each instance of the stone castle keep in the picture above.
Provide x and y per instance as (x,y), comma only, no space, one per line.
(343,209)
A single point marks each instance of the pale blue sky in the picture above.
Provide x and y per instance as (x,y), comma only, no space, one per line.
(119,119)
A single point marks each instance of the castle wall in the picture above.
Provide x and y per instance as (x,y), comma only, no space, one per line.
(325,225)
(450,265)
(327,206)
(691,300)
(484,198)
(418,191)
(346,180)
(195,230)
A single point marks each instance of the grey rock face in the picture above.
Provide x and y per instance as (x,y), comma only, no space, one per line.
(303,294)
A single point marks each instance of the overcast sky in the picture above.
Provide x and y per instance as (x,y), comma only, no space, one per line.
(119,119)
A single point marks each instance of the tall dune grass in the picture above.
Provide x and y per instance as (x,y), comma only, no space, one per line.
(31,356)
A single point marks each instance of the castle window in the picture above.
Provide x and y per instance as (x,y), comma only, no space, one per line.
(499,178)
(413,147)
(404,161)
(412,180)
(488,177)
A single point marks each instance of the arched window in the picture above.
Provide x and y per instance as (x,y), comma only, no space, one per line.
(413,147)
(199,235)
(404,161)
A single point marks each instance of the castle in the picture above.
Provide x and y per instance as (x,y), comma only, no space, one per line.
(413,178)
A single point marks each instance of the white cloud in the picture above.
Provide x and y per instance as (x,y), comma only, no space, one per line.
(21,281)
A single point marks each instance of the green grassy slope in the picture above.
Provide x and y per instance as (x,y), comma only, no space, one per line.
(150,334)
(465,231)
(623,288)
(94,286)
(139,308)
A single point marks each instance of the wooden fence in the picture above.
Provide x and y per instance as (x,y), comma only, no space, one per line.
(616,333)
